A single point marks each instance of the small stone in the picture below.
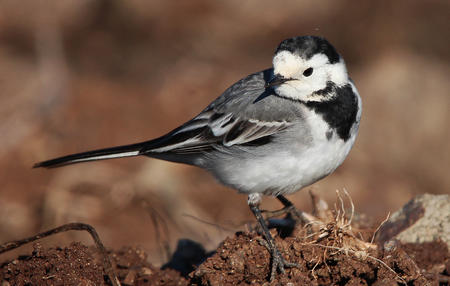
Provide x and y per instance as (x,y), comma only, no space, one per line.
(426,218)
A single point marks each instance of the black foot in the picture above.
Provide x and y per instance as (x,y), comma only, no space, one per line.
(278,262)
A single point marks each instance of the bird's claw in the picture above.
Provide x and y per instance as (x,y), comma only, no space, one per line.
(278,261)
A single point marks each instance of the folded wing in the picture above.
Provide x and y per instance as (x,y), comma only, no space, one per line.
(210,130)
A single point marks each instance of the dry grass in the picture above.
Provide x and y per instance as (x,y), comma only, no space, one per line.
(332,231)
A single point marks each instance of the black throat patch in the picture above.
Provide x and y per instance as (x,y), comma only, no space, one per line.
(340,112)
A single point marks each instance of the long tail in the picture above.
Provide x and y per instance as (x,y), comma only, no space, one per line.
(180,145)
(100,154)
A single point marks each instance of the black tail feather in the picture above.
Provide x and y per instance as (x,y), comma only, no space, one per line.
(94,155)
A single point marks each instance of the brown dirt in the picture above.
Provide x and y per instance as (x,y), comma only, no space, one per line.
(244,261)
(81,265)
(239,260)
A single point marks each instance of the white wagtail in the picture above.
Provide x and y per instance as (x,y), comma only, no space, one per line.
(271,133)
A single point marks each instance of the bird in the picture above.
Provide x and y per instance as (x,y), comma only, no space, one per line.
(271,133)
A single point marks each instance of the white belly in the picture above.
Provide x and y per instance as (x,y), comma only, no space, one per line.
(284,172)
(287,170)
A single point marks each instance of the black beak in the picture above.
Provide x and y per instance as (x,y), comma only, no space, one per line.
(276,80)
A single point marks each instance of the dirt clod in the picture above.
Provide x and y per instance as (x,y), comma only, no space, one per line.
(242,260)
(81,265)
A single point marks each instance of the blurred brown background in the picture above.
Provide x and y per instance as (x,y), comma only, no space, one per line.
(78,75)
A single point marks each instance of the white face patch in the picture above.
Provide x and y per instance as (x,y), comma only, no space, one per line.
(287,64)
(302,87)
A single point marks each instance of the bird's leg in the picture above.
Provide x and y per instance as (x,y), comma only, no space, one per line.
(286,203)
(297,215)
(288,208)
(278,262)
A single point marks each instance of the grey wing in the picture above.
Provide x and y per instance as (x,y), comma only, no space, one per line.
(211,130)
(246,114)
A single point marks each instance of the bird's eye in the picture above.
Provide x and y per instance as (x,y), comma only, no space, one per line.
(308,72)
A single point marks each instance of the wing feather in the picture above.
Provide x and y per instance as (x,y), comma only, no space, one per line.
(209,131)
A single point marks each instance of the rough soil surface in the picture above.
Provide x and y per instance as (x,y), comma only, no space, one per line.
(81,265)
(240,260)
(334,247)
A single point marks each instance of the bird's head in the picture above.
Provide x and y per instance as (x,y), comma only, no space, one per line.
(306,69)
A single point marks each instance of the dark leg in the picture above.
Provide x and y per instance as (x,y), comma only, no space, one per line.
(278,262)
(286,203)
(288,208)
(297,215)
